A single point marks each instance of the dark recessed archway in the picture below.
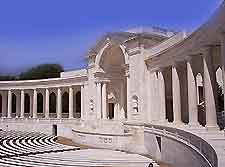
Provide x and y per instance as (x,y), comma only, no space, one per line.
(14,99)
(40,101)
(78,104)
(1,104)
(26,103)
(65,104)
(52,103)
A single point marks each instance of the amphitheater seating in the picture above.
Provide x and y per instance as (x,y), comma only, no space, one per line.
(32,149)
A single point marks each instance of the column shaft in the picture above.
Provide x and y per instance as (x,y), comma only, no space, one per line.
(104,101)
(128,98)
(149,89)
(70,102)
(99,101)
(46,103)
(192,96)
(121,113)
(162,97)
(4,104)
(59,103)
(176,96)
(35,103)
(18,99)
(209,89)
(154,108)
(9,104)
(31,105)
(22,104)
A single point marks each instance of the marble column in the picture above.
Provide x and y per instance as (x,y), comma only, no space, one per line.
(122,103)
(31,105)
(176,96)
(9,115)
(116,111)
(209,89)
(34,103)
(104,101)
(18,99)
(75,103)
(47,103)
(59,103)
(70,102)
(128,95)
(99,100)
(22,103)
(4,104)
(192,96)
(162,97)
(82,103)
(154,113)
(149,94)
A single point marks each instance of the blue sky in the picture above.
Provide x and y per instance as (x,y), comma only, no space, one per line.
(60,31)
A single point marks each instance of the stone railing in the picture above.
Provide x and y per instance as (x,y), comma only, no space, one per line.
(196,143)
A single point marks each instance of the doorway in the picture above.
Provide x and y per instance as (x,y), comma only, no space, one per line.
(54,130)
(111,110)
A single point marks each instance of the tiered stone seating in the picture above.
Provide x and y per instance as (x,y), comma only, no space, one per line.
(31,149)
(14,143)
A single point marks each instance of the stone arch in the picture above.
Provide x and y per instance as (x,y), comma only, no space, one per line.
(100,54)
(112,61)
(65,104)
(52,104)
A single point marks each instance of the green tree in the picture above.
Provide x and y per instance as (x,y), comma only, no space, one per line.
(7,78)
(42,71)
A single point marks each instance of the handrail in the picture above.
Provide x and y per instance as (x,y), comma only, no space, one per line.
(196,143)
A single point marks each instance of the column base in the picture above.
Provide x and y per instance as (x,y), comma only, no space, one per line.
(212,127)
(194,125)
(178,123)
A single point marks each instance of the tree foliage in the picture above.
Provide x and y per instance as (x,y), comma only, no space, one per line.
(7,78)
(42,71)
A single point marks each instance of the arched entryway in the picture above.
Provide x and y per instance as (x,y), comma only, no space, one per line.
(52,105)
(112,62)
(40,105)
(65,105)
(78,104)
(27,105)
(14,101)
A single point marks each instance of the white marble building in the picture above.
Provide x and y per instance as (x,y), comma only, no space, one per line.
(141,92)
